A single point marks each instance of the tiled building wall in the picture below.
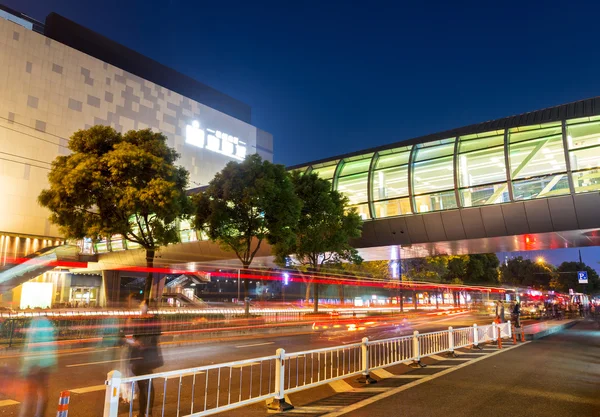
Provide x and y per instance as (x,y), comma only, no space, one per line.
(49,90)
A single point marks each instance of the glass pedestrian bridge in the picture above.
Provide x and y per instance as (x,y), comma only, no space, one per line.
(536,155)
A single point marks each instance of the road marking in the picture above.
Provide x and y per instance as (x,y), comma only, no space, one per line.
(5,403)
(395,391)
(408,376)
(382,373)
(476,353)
(88,389)
(99,362)
(312,409)
(255,344)
(340,386)
(441,358)
(441,366)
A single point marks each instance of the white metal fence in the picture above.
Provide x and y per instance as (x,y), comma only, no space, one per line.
(216,388)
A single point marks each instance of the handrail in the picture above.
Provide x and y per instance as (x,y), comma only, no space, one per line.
(220,387)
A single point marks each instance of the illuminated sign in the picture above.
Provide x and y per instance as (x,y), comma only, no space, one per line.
(215,141)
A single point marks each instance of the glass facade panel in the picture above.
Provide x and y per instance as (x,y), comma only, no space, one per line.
(428,151)
(586,181)
(325,172)
(484,194)
(467,145)
(433,175)
(481,167)
(435,202)
(585,158)
(355,167)
(524,133)
(362,210)
(396,207)
(392,159)
(547,186)
(390,182)
(583,135)
(537,157)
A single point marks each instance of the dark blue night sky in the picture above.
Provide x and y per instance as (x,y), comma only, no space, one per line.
(329,77)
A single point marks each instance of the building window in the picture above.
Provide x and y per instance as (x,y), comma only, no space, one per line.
(352,182)
(537,161)
(433,176)
(389,190)
(481,169)
(583,141)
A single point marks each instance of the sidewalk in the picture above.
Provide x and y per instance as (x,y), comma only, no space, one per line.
(546,328)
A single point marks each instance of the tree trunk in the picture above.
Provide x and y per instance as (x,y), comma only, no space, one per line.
(316,297)
(150,276)
(246,282)
(307,298)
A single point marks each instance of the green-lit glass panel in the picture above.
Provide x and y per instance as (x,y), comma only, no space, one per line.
(585,158)
(583,135)
(355,167)
(434,202)
(389,208)
(587,181)
(484,194)
(434,175)
(481,167)
(426,152)
(547,186)
(534,132)
(325,172)
(484,143)
(537,157)
(393,159)
(354,187)
(390,182)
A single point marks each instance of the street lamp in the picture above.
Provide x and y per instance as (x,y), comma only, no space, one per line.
(540,260)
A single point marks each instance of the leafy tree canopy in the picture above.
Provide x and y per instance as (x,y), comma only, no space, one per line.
(324,229)
(526,273)
(566,278)
(246,204)
(115,183)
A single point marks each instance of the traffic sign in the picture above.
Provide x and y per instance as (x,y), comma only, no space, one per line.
(582,277)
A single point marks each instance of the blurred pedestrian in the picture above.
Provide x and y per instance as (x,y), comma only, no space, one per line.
(145,358)
(39,361)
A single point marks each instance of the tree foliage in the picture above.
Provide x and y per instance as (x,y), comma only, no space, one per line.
(526,273)
(566,278)
(245,204)
(456,269)
(324,229)
(113,183)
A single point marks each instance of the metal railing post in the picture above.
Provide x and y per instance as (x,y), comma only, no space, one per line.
(365,378)
(475,336)
(494,331)
(111,398)
(416,351)
(279,402)
(451,342)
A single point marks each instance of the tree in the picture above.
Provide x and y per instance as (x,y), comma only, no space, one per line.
(245,204)
(566,278)
(324,230)
(525,273)
(482,269)
(113,183)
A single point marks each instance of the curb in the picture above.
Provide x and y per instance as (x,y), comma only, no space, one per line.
(550,331)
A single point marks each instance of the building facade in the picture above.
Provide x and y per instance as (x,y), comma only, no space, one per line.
(58,77)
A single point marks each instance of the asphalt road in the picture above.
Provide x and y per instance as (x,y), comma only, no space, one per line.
(83,373)
(556,376)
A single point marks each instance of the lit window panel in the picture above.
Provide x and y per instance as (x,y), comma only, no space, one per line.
(390,182)
(436,201)
(546,186)
(394,207)
(484,195)
(537,157)
(433,175)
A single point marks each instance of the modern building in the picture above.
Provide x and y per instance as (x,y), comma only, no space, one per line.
(58,77)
